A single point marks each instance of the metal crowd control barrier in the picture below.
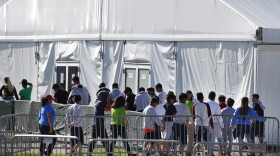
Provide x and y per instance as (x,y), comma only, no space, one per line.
(30,144)
(120,150)
(260,133)
(3,145)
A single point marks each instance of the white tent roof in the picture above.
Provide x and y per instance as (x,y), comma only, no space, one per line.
(178,20)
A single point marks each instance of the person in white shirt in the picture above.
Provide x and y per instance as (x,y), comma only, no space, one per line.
(142,100)
(216,132)
(161,94)
(81,90)
(150,122)
(180,123)
(74,122)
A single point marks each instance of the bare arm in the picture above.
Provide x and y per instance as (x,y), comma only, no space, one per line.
(50,121)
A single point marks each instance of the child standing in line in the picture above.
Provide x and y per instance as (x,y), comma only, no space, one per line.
(119,123)
(74,122)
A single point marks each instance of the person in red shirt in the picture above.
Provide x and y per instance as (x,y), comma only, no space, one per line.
(222,102)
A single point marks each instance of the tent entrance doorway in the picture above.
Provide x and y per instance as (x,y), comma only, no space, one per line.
(137,76)
(65,71)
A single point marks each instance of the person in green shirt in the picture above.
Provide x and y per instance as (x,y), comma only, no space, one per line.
(25,93)
(119,123)
(190,130)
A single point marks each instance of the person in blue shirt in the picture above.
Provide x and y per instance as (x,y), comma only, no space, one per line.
(245,117)
(46,122)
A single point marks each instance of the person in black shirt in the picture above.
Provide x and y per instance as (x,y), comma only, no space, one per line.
(258,127)
(9,90)
(130,98)
(98,127)
(60,95)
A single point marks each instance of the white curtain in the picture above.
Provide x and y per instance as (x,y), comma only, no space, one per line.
(87,53)
(224,67)
(18,62)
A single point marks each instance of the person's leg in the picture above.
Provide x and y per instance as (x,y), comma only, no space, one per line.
(230,140)
(190,138)
(51,145)
(124,136)
(93,136)
(240,142)
(42,144)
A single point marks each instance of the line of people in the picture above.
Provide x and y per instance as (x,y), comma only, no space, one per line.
(164,118)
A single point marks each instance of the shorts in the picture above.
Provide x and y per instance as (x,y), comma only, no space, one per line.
(168,131)
(150,135)
(78,132)
(157,132)
(180,133)
(201,132)
(258,129)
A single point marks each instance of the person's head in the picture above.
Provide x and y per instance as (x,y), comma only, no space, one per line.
(171,98)
(115,85)
(230,102)
(222,98)
(119,102)
(101,85)
(200,97)
(49,99)
(77,99)
(76,80)
(141,89)
(24,83)
(151,91)
(189,95)
(154,101)
(127,91)
(183,98)
(55,87)
(212,96)
(158,87)
(244,106)
(104,97)
(9,84)
(255,97)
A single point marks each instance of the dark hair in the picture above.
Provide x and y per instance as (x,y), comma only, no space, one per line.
(119,102)
(189,92)
(212,95)
(151,89)
(222,98)
(182,96)
(6,79)
(76,79)
(169,97)
(155,100)
(141,89)
(102,85)
(102,96)
(159,86)
(115,85)
(55,86)
(77,98)
(127,89)
(244,109)
(44,101)
(199,96)
(230,102)
(256,96)
(170,93)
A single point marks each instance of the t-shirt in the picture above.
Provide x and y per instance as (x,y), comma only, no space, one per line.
(73,115)
(227,115)
(182,110)
(259,112)
(83,92)
(189,103)
(61,96)
(43,115)
(118,116)
(25,93)
(222,105)
(170,110)
(130,102)
(99,111)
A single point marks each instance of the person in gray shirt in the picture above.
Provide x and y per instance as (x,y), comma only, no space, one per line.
(227,133)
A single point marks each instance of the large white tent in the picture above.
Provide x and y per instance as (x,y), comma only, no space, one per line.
(229,46)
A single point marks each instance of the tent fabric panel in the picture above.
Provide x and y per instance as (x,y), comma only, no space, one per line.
(18,62)
(223,67)
(268,75)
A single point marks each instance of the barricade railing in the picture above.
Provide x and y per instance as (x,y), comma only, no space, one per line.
(3,145)
(126,146)
(240,149)
(31,144)
(245,129)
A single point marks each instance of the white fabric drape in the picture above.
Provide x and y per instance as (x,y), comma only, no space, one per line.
(224,67)
(18,62)
(87,53)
